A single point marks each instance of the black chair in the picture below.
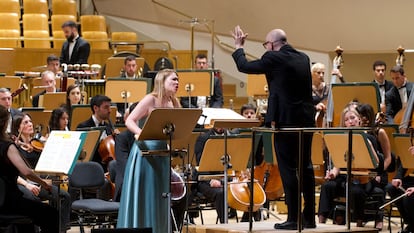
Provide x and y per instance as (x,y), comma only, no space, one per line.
(91,211)
(11,222)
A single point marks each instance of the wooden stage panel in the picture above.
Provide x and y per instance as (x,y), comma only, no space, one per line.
(266,227)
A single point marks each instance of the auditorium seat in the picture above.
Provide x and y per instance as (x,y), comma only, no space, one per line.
(128,37)
(64,7)
(92,23)
(97,40)
(35,22)
(39,39)
(13,42)
(58,39)
(36,7)
(58,20)
(10,6)
(9,28)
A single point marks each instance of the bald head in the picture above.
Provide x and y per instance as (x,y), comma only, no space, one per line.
(276,38)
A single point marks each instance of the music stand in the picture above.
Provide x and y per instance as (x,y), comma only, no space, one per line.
(341,147)
(257,85)
(168,124)
(227,118)
(195,83)
(402,143)
(91,142)
(52,100)
(114,66)
(122,90)
(343,93)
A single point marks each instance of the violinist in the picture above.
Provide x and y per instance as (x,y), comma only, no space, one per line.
(22,131)
(101,110)
(73,97)
(335,184)
(396,98)
(6,101)
(11,165)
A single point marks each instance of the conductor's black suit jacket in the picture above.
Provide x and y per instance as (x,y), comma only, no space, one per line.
(80,53)
(290,85)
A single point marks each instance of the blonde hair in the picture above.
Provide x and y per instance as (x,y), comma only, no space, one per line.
(159,88)
(351,107)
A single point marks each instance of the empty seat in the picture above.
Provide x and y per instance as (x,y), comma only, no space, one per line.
(58,20)
(35,22)
(58,39)
(92,23)
(9,21)
(124,37)
(13,42)
(36,39)
(36,7)
(10,6)
(97,40)
(64,7)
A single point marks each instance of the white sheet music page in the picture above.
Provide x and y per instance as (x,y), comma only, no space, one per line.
(218,114)
(60,152)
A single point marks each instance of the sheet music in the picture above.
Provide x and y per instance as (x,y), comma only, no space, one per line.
(60,152)
(210,114)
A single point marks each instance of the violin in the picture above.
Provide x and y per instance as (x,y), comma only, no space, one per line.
(239,194)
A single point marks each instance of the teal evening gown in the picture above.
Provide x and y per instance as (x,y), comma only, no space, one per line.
(146,181)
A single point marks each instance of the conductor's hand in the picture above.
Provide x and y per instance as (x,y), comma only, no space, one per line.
(239,37)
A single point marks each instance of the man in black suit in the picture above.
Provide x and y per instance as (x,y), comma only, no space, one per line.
(216,100)
(75,50)
(48,81)
(101,110)
(6,100)
(290,105)
(396,98)
(384,85)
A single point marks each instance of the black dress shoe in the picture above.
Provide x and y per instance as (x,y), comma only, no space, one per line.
(287,225)
(309,225)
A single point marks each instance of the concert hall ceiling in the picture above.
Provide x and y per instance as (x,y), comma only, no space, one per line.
(360,26)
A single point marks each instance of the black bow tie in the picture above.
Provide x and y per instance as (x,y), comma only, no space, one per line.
(401,87)
(382,85)
(102,123)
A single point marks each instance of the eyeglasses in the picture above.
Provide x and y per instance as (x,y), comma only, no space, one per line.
(267,42)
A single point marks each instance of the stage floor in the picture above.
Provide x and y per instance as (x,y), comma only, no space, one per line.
(267,226)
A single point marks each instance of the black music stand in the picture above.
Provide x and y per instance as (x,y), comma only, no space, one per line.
(168,124)
(341,147)
(195,83)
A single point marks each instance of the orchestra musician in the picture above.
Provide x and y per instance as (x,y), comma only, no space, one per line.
(335,182)
(216,100)
(130,67)
(289,79)
(396,98)
(11,166)
(101,110)
(142,202)
(6,101)
(53,64)
(384,85)
(59,119)
(403,181)
(49,82)
(75,50)
(22,131)
(73,97)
